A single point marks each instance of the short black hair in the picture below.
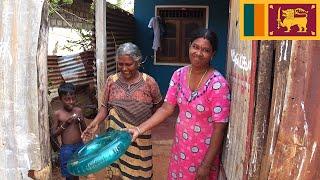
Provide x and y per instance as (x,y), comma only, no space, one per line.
(66,88)
(206,34)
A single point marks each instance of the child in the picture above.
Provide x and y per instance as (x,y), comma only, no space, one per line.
(68,122)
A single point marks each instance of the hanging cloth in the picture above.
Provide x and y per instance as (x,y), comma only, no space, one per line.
(154,24)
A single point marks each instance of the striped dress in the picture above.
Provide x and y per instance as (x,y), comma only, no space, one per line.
(129,106)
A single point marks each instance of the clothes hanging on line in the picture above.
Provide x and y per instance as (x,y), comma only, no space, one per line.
(154,24)
(158,26)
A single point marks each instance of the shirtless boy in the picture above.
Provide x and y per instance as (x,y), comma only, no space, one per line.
(68,122)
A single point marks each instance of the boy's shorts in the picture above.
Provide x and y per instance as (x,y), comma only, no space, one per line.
(66,152)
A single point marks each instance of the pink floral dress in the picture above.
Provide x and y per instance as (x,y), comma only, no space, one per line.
(194,125)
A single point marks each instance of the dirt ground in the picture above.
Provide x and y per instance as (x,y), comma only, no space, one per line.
(162,137)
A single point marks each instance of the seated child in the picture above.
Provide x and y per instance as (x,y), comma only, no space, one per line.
(68,122)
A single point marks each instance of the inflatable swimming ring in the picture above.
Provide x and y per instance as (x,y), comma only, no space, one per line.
(99,152)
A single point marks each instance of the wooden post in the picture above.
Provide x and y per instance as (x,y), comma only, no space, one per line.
(262,104)
(44,171)
(101,46)
(282,62)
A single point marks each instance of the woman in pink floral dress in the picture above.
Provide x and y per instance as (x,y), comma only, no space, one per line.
(202,95)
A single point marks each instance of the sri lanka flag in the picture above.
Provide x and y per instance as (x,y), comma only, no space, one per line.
(274,20)
(254,20)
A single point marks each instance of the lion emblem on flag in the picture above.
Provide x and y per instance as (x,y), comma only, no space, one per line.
(293,17)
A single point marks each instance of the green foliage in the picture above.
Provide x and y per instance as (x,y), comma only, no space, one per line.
(58,6)
(60,1)
(84,42)
(120,2)
(54,4)
(92,7)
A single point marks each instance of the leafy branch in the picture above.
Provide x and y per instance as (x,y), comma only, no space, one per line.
(58,7)
(84,42)
(55,4)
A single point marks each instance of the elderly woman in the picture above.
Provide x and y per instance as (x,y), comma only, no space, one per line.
(202,95)
(130,97)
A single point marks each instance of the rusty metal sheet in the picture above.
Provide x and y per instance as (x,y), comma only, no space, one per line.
(78,69)
(119,26)
(241,75)
(282,61)
(115,26)
(262,106)
(296,153)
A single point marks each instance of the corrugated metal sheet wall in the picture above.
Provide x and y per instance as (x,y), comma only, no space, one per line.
(78,69)
(292,144)
(120,29)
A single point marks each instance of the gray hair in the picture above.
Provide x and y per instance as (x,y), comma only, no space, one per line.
(129,49)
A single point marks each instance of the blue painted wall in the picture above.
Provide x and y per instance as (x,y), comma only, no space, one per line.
(218,21)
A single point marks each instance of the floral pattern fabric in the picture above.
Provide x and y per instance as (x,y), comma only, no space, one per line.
(194,125)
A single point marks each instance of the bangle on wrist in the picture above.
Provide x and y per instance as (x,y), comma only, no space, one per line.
(138,129)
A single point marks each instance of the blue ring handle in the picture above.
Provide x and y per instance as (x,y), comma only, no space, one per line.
(99,152)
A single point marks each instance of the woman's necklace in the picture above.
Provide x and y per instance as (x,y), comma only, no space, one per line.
(134,79)
(195,92)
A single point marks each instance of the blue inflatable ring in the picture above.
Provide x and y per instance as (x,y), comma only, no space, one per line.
(99,152)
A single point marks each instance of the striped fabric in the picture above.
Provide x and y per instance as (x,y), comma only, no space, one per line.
(136,163)
(132,106)
(133,112)
(254,20)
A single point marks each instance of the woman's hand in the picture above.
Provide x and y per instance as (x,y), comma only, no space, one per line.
(90,131)
(134,132)
(203,172)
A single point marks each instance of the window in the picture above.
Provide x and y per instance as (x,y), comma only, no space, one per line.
(179,22)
